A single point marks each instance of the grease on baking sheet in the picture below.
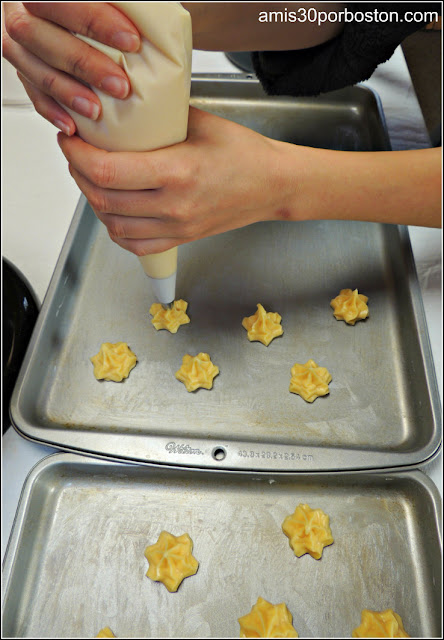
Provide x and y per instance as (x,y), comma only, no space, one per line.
(114,361)
(308,531)
(267,620)
(170,319)
(263,326)
(170,560)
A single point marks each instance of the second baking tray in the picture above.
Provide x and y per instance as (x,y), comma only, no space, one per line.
(383,408)
(75,561)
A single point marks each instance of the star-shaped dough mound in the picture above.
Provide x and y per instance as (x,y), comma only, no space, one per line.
(308,530)
(309,381)
(171,560)
(267,620)
(262,326)
(197,371)
(105,633)
(350,306)
(380,624)
(113,362)
(170,319)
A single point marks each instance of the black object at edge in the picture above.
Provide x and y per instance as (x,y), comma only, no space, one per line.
(20,311)
(242,60)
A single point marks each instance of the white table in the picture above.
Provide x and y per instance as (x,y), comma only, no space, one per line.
(39,198)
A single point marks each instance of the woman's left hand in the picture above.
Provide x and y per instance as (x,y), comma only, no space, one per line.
(224,176)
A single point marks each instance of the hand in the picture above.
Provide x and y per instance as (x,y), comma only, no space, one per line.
(48,58)
(224,176)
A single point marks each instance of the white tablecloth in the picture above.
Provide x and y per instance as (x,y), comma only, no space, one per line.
(39,198)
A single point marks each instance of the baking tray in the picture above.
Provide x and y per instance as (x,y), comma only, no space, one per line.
(75,561)
(350,119)
(383,408)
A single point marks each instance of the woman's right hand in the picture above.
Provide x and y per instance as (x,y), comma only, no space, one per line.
(50,61)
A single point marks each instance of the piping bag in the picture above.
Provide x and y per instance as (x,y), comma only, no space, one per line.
(155,114)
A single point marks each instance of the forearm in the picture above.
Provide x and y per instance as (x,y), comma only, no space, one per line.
(235,26)
(399,187)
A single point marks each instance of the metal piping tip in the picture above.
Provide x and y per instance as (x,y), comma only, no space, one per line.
(164,290)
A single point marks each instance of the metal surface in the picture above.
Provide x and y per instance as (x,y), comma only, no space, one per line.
(75,562)
(383,408)
(350,119)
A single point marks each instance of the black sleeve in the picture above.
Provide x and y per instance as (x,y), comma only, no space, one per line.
(350,57)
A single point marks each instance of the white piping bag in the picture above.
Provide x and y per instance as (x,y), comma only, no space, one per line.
(155,114)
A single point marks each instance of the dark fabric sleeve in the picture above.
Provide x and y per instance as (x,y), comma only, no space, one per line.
(349,58)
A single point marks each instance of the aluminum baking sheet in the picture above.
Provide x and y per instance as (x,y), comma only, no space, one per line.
(75,561)
(383,408)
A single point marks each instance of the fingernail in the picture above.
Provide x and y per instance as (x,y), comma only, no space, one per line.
(63,127)
(118,87)
(86,108)
(60,139)
(126,41)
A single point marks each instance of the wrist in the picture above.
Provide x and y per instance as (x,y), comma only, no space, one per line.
(294,182)
(322,184)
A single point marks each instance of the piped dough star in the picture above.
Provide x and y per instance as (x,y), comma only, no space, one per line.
(114,361)
(308,531)
(350,306)
(170,560)
(105,633)
(267,620)
(263,326)
(380,624)
(197,371)
(309,381)
(170,319)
